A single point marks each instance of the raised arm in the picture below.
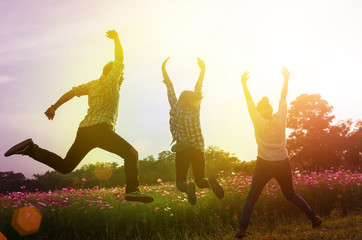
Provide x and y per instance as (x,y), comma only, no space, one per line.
(170,91)
(198,85)
(50,112)
(286,74)
(166,78)
(244,78)
(115,75)
(254,114)
(118,50)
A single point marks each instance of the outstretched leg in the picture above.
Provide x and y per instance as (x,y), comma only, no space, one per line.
(261,176)
(110,141)
(284,178)
(82,145)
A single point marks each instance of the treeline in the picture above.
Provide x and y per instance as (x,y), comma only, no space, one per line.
(151,170)
(315,143)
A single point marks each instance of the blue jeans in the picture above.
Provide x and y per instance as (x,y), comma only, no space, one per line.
(264,171)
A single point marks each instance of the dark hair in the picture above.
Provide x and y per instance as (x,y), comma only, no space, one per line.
(187,97)
(264,105)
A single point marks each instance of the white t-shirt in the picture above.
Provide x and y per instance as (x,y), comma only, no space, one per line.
(270,134)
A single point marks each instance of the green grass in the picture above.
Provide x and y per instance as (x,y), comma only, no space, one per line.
(103,213)
(297,227)
(347,227)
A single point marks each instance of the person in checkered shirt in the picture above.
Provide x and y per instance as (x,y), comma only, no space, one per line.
(186,132)
(96,129)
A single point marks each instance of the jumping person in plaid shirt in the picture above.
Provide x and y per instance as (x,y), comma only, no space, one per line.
(97,128)
(186,131)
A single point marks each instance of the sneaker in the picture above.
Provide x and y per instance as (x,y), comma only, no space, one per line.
(139,197)
(191,193)
(240,233)
(216,188)
(20,148)
(316,221)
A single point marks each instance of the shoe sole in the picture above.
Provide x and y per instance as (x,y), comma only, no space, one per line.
(191,193)
(216,188)
(142,199)
(17,147)
(317,224)
(240,236)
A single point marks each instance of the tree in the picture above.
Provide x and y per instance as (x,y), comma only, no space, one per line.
(310,118)
(11,181)
(353,151)
(315,143)
(167,156)
(53,180)
(150,169)
(220,162)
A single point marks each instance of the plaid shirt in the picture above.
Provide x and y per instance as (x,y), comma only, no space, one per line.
(185,122)
(103,97)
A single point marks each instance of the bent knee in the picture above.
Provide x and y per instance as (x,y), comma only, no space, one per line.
(291,196)
(202,183)
(252,198)
(66,170)
(133,152)
(182,186)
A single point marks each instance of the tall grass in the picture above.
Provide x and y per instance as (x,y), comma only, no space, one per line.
(100,213)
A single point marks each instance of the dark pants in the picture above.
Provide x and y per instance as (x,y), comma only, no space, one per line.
(99,135)
(197,160)
(264,171)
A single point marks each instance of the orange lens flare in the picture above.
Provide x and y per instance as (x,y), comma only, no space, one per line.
(26,220)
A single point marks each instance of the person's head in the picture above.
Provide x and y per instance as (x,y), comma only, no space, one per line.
(190,99)
(107,68)
(264,108)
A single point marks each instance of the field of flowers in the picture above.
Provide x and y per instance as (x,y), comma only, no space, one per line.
(100,213)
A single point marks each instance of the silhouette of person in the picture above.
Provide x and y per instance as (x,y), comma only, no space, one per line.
(96,129)
(272,160)
(186,131)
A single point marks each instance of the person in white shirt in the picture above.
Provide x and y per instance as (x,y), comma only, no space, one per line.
(272,160)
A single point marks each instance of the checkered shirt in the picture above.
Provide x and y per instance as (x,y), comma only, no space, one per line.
(185,122)
(103,97)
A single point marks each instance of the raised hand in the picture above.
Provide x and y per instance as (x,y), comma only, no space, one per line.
(166,79)
(164,63)
(112,34)
(285,72)
(201,64)
(50,113)
(244,77)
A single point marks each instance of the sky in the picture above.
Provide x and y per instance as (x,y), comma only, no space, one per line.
(47,47)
